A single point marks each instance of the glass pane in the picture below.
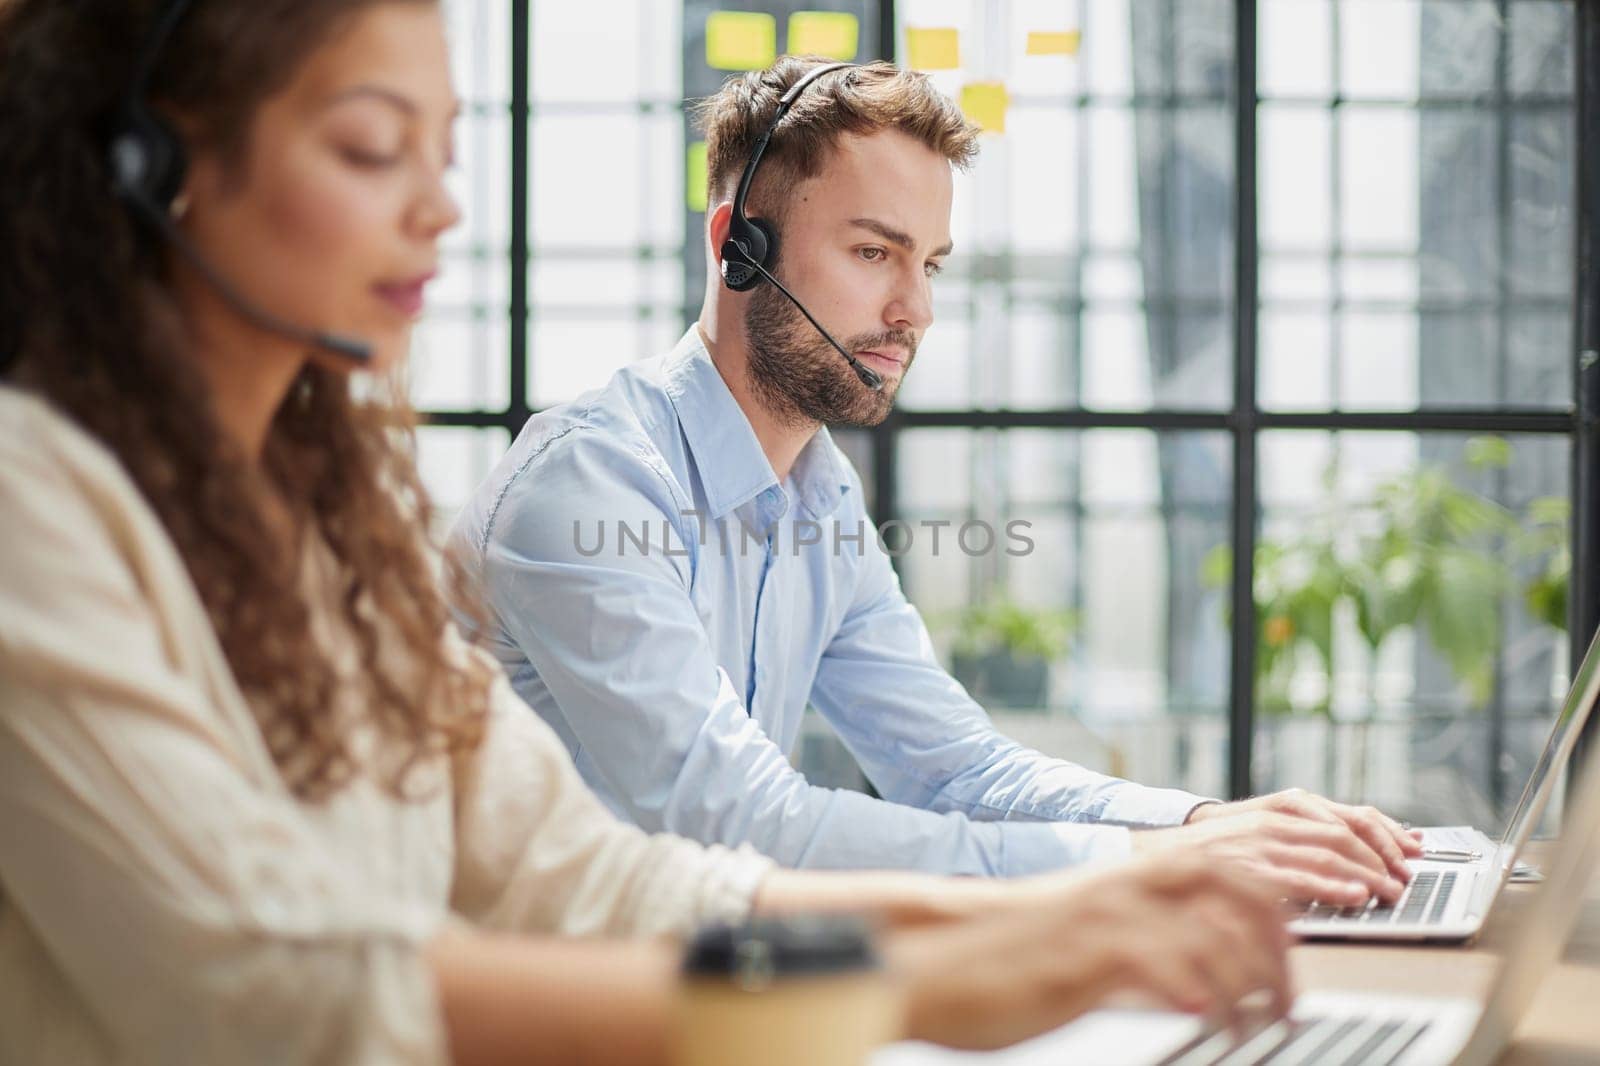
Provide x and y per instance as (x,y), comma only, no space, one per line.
(452,461)
(1108,61)
(459,362)
(1093,543)
(1043,196)
(1433,179)
(480,184)
(1538,347)
(1202,53)
(1094,237)
(480,56)
(599,204)
(1304,383)
(1378,48)
(1043,363)
(1113,208)
(1122,381)
(1057,75)
(571,353)
(470,282)
(459,350)
(1294,147)
(606,278)
(1540,257)
(1541,47)
(619,281)
(1459,257)
(941,377)
(1411,595)
(1378,160)
(605,51)
(1294,53)
(629,194)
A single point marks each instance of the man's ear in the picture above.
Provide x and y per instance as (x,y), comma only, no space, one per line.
(718,222)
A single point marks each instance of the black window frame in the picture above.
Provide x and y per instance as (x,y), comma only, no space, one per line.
(1244,421)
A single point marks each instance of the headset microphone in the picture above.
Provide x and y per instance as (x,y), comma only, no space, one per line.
(147,163)
(356,351)
(869,377)
(752,243)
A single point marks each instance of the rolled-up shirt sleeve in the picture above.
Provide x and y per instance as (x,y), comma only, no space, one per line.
(923,740)
(180,896)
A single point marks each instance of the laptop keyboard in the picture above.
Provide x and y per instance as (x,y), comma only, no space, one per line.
(1423,902)
(1361,1040)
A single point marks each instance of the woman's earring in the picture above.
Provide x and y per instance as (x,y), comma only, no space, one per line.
(180,207)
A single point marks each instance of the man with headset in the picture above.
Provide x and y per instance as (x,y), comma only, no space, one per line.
(677,564)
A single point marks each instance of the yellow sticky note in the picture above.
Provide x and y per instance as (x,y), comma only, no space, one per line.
(835,34)
(1062,43)
(741,40)
(694,182)
(933,49)
(985,103)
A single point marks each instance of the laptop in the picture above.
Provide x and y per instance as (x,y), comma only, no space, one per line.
(1335,1028)
(1462,870)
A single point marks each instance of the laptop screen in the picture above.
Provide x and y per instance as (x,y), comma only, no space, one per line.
(1546,922)
(1563,736)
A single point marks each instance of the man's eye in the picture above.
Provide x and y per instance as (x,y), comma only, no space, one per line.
(871,254)
(934,269)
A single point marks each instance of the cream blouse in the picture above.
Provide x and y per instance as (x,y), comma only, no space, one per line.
(165,898)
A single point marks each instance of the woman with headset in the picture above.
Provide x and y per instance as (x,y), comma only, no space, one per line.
(258,799)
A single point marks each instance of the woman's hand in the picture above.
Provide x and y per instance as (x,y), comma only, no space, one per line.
(1192,933)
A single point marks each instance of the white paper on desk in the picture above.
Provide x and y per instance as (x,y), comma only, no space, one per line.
(1102,1036)
(1455,837)
(1466,838)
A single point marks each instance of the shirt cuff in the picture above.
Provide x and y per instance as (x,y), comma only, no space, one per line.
(1142,807)
(730,894)
(1106,843)
(1043,847)
(1197,806)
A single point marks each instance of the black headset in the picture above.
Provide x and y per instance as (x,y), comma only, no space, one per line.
(751,240)
(752,244)
(148,163)
(147,158)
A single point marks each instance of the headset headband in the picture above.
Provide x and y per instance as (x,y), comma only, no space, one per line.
(161,29)
(784,103)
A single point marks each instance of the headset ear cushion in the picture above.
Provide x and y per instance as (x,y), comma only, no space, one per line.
(737,273)
(766,242)
(147,158)
(752,240)
(174,161)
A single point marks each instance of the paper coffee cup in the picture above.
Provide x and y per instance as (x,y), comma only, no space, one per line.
(785,992)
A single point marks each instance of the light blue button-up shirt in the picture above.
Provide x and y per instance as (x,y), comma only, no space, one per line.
(670,609)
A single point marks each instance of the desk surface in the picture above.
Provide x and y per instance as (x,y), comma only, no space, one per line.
(1562,1027)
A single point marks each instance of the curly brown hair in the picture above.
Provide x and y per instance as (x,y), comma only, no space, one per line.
(88,320)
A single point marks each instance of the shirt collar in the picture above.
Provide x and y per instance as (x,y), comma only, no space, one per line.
(733,468)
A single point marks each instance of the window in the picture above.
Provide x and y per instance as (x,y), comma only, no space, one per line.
(1185,323)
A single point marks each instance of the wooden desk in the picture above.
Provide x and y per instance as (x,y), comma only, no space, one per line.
(1562,1028)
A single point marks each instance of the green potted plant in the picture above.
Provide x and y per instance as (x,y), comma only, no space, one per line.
(1420,554)
(1425,558)
(1441,544)
(1002,651)
(1433,562)
(1544,539)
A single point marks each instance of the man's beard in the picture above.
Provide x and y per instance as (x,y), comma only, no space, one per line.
(801,379)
